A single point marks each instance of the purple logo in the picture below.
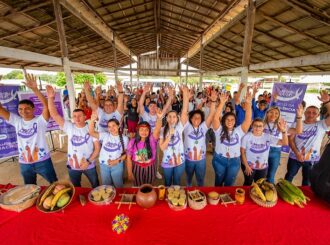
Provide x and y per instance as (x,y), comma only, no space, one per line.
(308,133)
(27,133)
(233,140)
(259,148)
(175,140)
(193,136)
(77,140)
(104,123)
(111,147)
(274,132)
(152,123)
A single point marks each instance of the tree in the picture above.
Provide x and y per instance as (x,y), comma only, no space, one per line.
(15,74)
(80,78)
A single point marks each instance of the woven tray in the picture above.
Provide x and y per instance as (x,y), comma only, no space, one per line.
(199,204)
(263,203)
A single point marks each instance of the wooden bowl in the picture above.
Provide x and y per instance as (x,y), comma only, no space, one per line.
(106,201)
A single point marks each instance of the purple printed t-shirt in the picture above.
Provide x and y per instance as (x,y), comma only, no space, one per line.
(138,152)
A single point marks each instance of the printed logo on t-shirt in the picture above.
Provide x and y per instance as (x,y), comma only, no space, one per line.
(233,140)
(174,139)
(308,133)
(274,132)
(77,140)
(259,148)
(193,136)
(27,133)
(111,147)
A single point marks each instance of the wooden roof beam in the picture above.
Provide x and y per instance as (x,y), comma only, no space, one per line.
(233,12)
(82,10)
(122,9)
(316,14)
(248,35)
(294,30)
(126,17)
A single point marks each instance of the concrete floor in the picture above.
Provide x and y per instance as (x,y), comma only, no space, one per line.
(9,171)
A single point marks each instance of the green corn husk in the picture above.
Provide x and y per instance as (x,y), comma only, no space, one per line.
(285,197)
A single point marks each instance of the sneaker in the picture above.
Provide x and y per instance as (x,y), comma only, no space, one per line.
(158,175)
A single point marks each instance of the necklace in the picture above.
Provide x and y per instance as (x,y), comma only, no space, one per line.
(196,133)
(270,130)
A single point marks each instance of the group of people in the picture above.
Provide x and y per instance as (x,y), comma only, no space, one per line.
(245,134)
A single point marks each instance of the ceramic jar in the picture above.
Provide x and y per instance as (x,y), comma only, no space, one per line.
(146,196)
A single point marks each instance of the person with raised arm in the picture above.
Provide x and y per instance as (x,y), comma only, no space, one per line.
(194,141)
(171,143)
(305,147)
(83,149)
(108,112)
(33,153)
(226,159)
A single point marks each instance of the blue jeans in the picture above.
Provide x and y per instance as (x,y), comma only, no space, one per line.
(112,175)
(273,163)
(173,175)
(198,168)
(293,168)
(91,174)
(226,169)
(44,168)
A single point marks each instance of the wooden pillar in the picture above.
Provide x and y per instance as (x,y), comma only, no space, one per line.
(115,57)
(187,69)
(65,54)
(200,87)
(130,71)
(248,37)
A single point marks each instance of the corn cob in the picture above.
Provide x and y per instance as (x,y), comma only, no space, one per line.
(294,189)
(296,199)
(287,198)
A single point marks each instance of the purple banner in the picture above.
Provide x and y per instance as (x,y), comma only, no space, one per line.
(289,96)
(52,125)
(8,140)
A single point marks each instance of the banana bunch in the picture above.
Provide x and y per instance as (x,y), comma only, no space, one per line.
(291,193)
(55,197)
(264,190)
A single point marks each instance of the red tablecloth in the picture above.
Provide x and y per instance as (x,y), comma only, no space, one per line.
(235,224)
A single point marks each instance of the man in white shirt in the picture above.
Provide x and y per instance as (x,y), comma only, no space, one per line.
(33,153)
(305,147)
(82,148)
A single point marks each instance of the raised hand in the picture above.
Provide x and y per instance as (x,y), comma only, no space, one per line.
(50,91)
(31,82)
(159,113)
(248,97)
(87,86)
(324,96)
(300,110)
(241,86)
(120,88)
(170,91)
(282,125)
(146,88)
(223,97)
(98,90)
(94,116)
(185,91)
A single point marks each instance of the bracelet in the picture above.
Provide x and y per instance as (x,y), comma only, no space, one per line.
(120,92)
(298,117)
(326,102)
(213,101)
(283,132)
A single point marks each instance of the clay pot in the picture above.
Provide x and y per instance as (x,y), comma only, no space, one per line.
(146,196)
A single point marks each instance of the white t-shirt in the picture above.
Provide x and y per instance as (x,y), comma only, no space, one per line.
(257,149)
(194,141)
(174,154)
(206,110)
(111,147)
(272,129)
(310,140)
(151,119)
(105,117)
(232,148)
(80,144)
(191,106)
(31,139)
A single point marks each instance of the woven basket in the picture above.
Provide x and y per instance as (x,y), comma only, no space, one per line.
(197,205)
(103,202)
(23,205)
(56,209)
(177,208)
(263,203)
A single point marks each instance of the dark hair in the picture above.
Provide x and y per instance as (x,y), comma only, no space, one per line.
(230,107)
(258,119)
(79,110)
(147,141)
(224,132)
(192,113)
(152,102)
(166,127)
(263,102)
(119,133)
(26,102)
